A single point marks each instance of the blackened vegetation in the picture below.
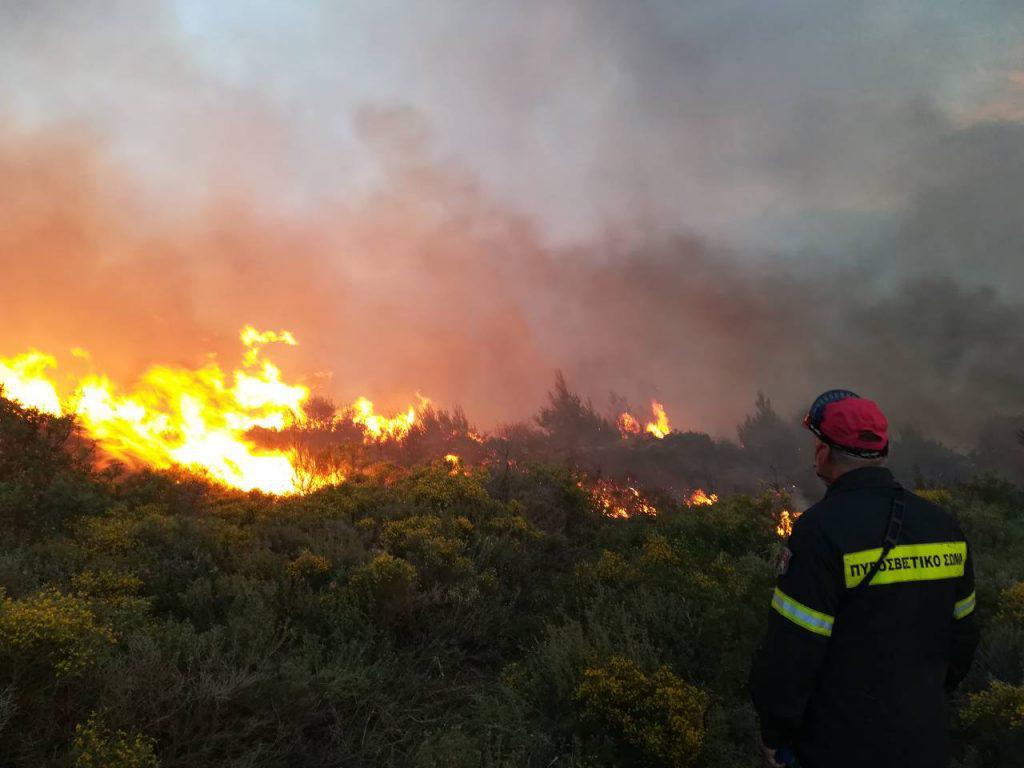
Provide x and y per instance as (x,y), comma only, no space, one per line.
(420,616)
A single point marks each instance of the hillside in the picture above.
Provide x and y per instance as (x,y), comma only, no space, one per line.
(424,615)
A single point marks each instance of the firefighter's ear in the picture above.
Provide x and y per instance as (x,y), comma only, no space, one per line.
(822,458)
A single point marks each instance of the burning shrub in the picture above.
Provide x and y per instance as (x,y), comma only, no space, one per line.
(650,720)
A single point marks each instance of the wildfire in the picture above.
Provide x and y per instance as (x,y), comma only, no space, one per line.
(786,519)
(701,499)
(629,425)
(660,426)
(620,501)
(379,428)
(24,380)
(198,419)
(454,462)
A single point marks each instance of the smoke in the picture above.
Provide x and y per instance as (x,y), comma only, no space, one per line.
(426,284)
(695,204)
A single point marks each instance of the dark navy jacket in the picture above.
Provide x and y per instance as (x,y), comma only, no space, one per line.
(855,677)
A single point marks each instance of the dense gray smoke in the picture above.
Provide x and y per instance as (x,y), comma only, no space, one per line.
(660,201)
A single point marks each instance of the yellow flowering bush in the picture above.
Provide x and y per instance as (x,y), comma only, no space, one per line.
(611,569)
(1000,707)
(105,584)
(54,630)
(993,722)
(1011,604)
(515,526)
(658,552)
(386,584)
(659,716)
(96,746)
(434,488)
(308,567)
(429,541)
(114,533)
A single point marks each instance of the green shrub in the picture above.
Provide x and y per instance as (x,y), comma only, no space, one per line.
(387,586)
(994,721)
(54,631)
(431,543)
(1011,604)
(309,567)
(652,720)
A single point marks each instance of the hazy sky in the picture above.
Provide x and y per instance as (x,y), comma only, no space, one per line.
(691,199)
(791,121)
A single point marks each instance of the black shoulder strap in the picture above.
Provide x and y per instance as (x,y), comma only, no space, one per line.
(892,537)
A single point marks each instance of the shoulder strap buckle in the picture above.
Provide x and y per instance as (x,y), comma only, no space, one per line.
(892,533)
(892,537)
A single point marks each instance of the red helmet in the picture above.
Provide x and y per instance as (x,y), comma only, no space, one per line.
(849,422)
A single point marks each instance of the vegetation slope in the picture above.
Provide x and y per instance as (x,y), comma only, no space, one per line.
(413,616)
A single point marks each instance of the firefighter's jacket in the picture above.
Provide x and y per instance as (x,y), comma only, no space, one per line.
(859,677)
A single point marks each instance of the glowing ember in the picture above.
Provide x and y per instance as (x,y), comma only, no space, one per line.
(629,425)
(701,499)
(619,501)
(198,419)
(786,519)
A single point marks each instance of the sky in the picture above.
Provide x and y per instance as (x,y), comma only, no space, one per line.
(749,186)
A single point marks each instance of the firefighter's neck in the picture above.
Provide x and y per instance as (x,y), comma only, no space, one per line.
(828,464)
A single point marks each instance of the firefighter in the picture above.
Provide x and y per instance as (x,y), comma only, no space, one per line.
(872,620)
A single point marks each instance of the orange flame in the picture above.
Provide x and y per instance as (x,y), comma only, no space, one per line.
(629,425)
(378,428)
(620,501)
(196,419)
(454,462)
(785,527)
(660,426)
(701,499)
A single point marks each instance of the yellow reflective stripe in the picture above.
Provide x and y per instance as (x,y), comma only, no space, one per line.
(909,562)
(964,607)
(814,621)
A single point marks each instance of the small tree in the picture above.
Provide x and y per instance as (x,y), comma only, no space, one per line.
(46,470)
(771,441)
(571,422)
